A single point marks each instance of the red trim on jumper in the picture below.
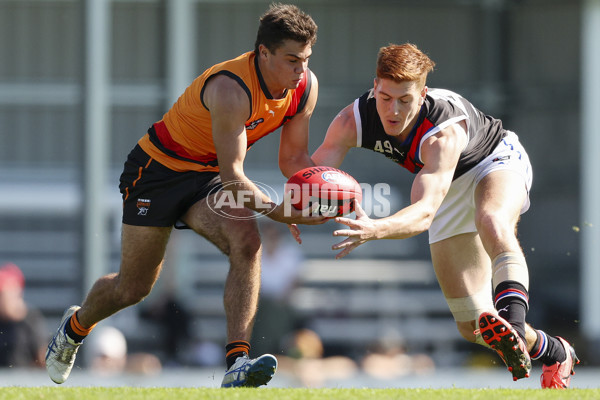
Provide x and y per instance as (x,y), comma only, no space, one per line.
(167,141)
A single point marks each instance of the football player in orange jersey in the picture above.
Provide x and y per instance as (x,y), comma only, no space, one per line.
(184,170)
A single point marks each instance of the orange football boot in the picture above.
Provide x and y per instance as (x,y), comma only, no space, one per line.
(558,375)
(505,341)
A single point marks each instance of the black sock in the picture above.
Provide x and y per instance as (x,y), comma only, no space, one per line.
(236,349)
(547,349)
(71,333)
(512,302)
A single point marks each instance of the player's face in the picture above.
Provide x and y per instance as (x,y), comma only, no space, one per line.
(285,67)
(398,104)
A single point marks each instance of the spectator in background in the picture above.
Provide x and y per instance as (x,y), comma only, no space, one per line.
(22,329)
(174,320)
(107,355)
(387,359)
(281,265)
(107,351)
(305,361)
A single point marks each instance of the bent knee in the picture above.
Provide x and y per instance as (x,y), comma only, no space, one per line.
(250,244)
(493,225)
(243,239)
(466,311)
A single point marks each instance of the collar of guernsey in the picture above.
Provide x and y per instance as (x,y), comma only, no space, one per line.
(175,148)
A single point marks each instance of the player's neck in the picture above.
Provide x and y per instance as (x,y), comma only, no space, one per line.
(276,91)
(268,84)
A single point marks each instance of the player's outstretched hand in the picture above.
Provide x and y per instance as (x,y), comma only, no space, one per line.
(361,230)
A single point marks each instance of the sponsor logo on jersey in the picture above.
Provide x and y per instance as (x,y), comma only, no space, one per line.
(254,124)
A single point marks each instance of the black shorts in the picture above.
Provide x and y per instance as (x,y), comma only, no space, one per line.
(154,195)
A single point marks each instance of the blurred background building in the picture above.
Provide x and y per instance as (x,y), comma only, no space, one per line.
(81,82)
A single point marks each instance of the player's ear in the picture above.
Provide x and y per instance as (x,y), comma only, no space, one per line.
(423,94)
(263,51)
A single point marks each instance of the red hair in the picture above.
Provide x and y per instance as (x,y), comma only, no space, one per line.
(403,62)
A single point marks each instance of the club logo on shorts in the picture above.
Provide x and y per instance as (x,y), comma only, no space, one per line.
(143,205)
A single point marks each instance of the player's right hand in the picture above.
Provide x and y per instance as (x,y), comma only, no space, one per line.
(286,213)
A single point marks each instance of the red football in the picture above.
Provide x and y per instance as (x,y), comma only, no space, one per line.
(334,191)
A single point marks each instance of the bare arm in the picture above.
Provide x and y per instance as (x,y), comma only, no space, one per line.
(293,144)
(340,137)
(440,155)
(229,106)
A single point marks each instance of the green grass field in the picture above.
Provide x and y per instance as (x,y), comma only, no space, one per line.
(127,393)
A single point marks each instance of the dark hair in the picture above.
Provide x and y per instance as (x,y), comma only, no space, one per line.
(282,22)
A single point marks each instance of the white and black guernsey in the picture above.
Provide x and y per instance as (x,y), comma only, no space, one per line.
(440,109)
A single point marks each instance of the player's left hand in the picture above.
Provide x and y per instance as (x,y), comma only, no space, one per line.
(362,229)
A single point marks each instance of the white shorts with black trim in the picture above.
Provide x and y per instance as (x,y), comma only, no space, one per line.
(456,215)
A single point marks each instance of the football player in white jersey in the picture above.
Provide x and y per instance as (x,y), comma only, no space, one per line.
(472,182)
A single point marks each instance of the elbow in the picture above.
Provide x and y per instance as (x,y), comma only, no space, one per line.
(426,225)
(426,221)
